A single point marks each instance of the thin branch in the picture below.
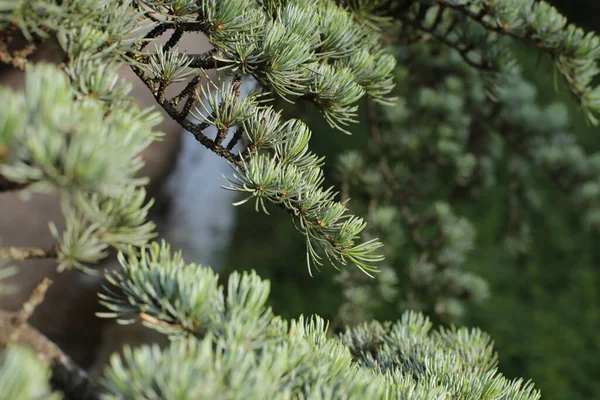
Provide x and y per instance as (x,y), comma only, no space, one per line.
(194,129)
(188,105)
(153,34)
(28,253)
(188,91)
(8,185)
(236,85)
(198,26)
(206,60)
(173,40)
(67,376)
(235,139)
(35,299)
(160,92)
(497,27)
(443,37)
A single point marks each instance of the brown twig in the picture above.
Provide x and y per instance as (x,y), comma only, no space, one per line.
(206,60)
(155,321)
(28,253)
(173,40)
(194,129)
(67,376)
(8,185)
(235,139)
(35,299)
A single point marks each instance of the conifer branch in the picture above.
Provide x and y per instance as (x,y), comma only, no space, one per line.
(77,132)
(35,299)
(194,129)
(173,40)
(206,61)
(7,185)
(67,376)
(235,138)
(28,253)
(218,333)
(536,23)
(499,26)
(443,35)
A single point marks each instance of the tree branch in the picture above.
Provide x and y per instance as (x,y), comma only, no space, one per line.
(194,129)
(235,88)
(67,376)
(8,186)
(28,253)
(35,299)
(206,61)
(443,36)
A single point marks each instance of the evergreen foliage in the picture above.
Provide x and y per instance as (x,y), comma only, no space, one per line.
(23,376)
(461,158)
(76,131)
(474,28)
(230,345)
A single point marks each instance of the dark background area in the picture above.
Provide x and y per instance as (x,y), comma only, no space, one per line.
(544,310)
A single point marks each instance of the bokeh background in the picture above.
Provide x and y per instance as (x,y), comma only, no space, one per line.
(543,311)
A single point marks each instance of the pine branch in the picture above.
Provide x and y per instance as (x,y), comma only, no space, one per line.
(224,333)
(194,129)
(464,48)
(498,26)
(67,376)
(206,60)
(190,92)
(7,185)
(173,40)
(28,253)
(35,299)
(537,23)
(222,132)
(235,139)
(455,31)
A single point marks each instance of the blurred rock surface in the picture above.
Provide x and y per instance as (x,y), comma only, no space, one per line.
(67,316)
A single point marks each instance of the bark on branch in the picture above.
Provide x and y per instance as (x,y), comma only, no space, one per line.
(27,253)
(67,376)
(9,186)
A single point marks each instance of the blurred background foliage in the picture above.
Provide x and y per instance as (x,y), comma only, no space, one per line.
(544,305)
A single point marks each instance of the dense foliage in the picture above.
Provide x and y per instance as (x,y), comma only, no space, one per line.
(526,214)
